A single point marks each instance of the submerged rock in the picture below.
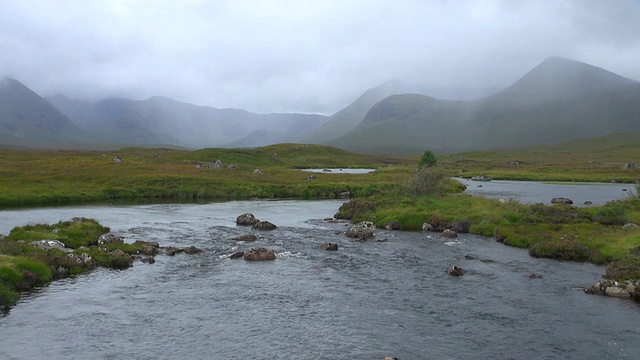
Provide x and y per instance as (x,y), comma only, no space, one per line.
(264,225)
(191,250)
(236,255)
(457,271)
(246,237)
(329,246)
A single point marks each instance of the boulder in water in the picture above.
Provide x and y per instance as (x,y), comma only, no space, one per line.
(260,254)
(246,237)
(246,219)
(457,271)
(363,229)
(264,225)
(329,246)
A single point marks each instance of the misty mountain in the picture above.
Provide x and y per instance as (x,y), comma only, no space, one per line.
(160,120)
(348,118)
(28,120)
(557,101)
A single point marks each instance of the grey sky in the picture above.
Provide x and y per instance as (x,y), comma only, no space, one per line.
(303,56)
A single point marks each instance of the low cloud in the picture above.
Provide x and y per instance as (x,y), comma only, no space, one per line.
(314,57)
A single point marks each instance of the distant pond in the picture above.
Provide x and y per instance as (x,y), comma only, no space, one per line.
(340,171)
(532,192)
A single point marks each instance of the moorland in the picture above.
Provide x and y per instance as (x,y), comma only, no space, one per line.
(397,192)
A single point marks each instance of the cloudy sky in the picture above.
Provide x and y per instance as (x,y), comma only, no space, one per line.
(303,56)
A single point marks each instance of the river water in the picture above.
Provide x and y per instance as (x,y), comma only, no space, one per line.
(365,301)
(532,192)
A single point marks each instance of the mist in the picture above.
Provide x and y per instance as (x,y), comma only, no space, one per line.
(308,57)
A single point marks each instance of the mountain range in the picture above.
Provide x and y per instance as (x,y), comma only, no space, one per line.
(557,101)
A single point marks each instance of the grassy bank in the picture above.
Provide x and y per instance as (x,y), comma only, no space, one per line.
(63,177)
(602,159)
(26,263)
(595,234)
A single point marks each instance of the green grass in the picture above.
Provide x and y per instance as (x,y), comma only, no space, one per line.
(24,267)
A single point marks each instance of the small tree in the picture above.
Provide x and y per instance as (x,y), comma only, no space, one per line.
(428,159)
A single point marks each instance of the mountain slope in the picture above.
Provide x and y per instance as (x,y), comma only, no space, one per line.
(28,120)
(558,101)
(348,118)
(160,120)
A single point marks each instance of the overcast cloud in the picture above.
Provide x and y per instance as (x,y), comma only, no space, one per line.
(302,56)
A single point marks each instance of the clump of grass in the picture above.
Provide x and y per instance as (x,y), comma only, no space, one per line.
(565,249)
(355,210)
(626,268)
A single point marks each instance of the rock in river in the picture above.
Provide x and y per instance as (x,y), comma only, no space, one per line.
(246,219)
(363,229)
(260,254)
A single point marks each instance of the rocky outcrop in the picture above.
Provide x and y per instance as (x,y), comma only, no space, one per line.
(50,244)
(562,200)
(110,239)
(236,255)
(448,233)
(148,247)
(246,219)
(260,254)
(621,289)
(246,237)
(362,230)
(329,246)
(258,172)
(83,259)
(264,225)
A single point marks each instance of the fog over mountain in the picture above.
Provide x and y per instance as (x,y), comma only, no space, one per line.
(316,57)
(557,101)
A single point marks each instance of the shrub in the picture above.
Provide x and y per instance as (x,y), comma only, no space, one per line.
(355,210)
(10,276)
(41,272)
(427,182)
(612,213)
(624,269)
(428,159)
(565,249)
(8,297)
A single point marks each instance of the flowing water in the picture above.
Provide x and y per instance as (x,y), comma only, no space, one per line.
(365,301)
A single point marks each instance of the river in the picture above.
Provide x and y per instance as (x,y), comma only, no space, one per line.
(532,192)
(365,301)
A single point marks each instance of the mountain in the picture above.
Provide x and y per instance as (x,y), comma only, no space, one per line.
(557,101)
(348,118)
(160,120)
(28,120)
